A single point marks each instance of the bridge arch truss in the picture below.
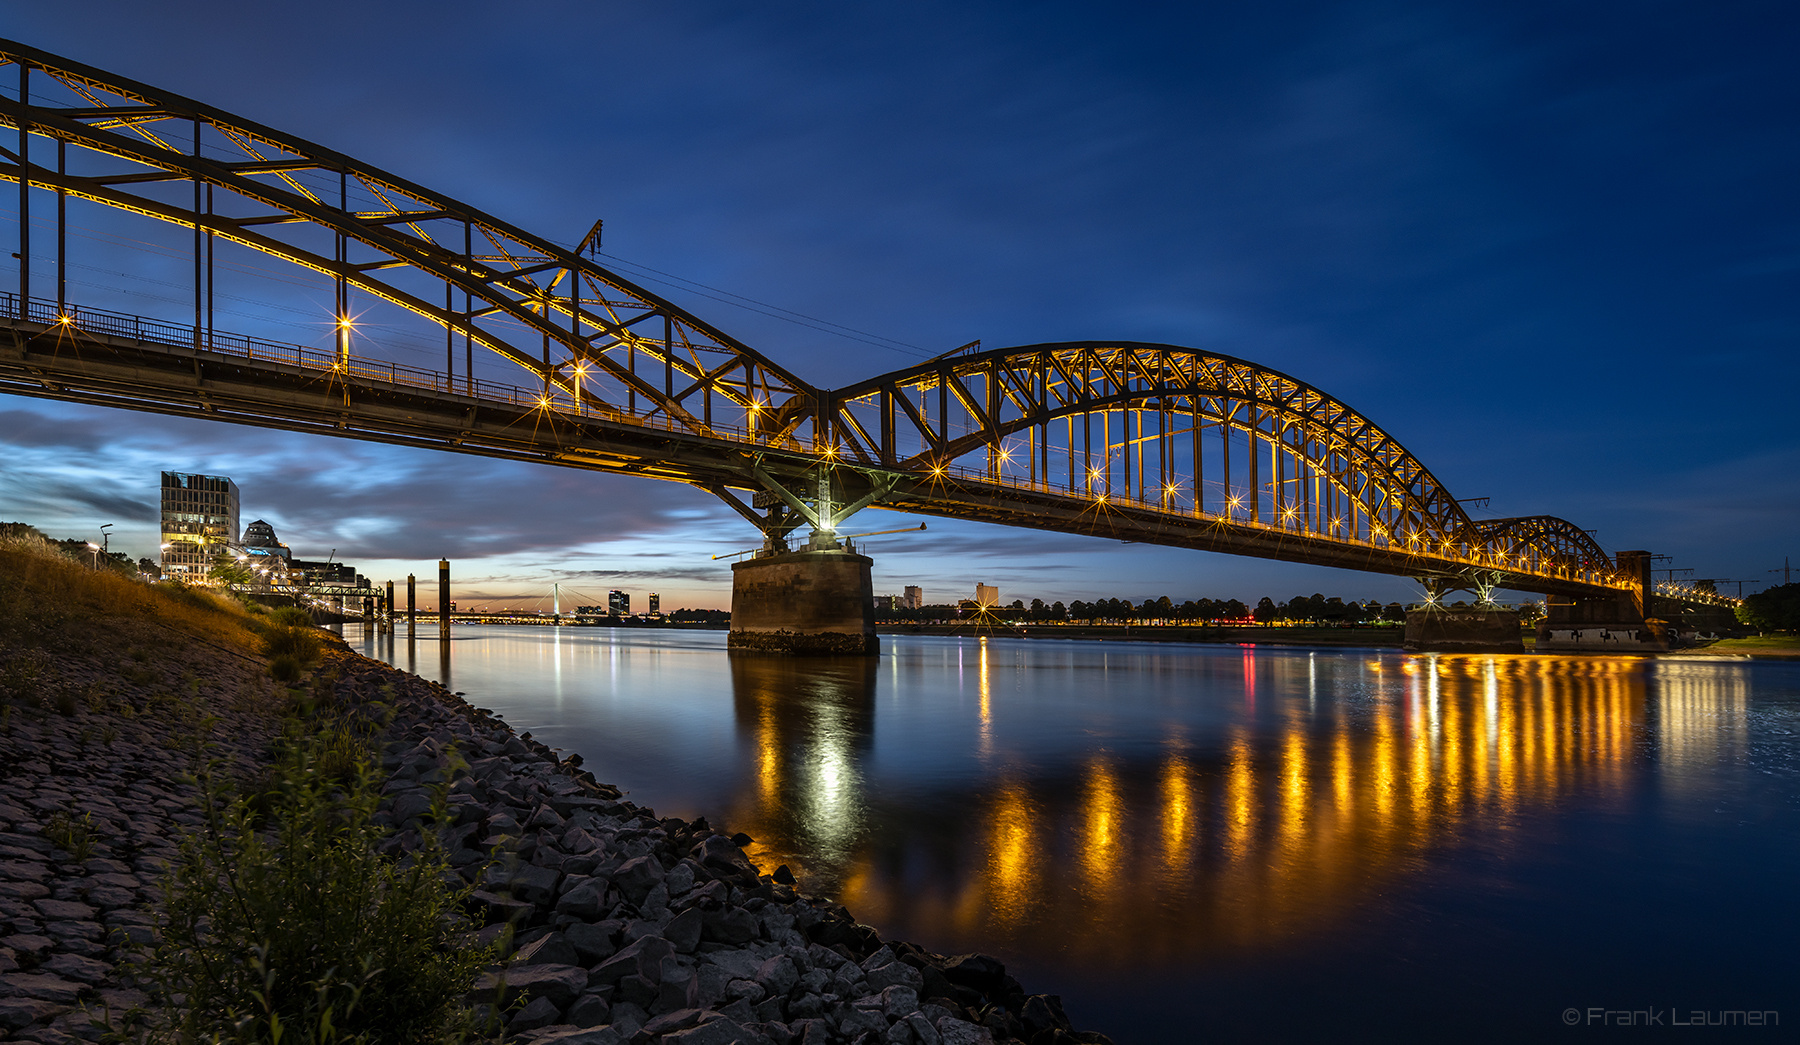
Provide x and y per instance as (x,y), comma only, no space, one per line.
(1218,441)
(1147,442)
(585,338)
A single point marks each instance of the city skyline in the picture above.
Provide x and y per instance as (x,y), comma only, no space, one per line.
(1554,259)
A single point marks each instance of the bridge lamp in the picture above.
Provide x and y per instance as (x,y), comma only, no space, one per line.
(64,318)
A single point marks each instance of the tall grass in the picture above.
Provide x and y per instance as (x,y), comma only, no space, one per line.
(47,596)
(285,924)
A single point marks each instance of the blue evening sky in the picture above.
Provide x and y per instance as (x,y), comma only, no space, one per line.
(1554,248)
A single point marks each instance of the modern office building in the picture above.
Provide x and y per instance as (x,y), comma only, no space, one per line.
(199,522)
(655,604)
(987,595)
(618,603)
(914,599)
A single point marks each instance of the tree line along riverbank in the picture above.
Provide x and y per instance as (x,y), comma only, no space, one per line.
(214,821)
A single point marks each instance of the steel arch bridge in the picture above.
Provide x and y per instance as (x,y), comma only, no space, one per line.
(547,356)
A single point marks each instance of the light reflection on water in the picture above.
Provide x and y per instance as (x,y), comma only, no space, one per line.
(1097,812)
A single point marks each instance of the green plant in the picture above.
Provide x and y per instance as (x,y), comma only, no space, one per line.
(302,931)
(285,668)
(300,642)
(291,617)
(19,675)
(73,835)
(66,703)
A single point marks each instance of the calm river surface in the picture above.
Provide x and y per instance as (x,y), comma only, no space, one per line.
(1224,842)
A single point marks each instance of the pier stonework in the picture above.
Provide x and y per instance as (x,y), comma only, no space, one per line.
(812,602)
(1474,629)
(1630,622)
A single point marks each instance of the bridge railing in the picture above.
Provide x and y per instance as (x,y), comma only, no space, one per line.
(328,363)
(151,331)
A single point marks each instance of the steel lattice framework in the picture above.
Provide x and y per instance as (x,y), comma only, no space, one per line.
(1139,442)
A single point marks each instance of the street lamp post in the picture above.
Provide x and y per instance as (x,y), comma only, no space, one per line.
(95,548)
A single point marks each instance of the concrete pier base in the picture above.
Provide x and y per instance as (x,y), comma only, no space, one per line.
(1475,629)
(814,602)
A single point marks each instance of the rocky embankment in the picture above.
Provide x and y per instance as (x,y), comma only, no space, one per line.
(621,927)
(97,762)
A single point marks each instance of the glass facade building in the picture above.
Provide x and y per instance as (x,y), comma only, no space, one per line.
(199,521)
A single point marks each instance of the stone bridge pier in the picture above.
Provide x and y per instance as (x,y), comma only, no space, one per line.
(816,600)
(1632,622)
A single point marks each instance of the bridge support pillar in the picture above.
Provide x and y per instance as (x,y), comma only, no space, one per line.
(1630,623)
(1474,629)
(818,602)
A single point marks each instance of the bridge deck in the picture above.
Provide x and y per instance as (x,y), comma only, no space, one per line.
(108,359)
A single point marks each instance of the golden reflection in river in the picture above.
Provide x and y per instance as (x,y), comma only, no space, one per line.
(1702,716)
(810,722)
(1282,821)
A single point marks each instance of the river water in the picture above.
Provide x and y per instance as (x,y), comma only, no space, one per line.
(1229,842)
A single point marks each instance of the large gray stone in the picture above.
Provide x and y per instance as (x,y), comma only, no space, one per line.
(952,1031)
(642,957)
(541,1012)
(41,985)
(19,1013)
(584,1036)
(593,942)
(75,967)
(585,900)
(739,965)
(718,1032)
(718,855)
(853,1021)
(589,1010)
(895,974)
(537,884)
(64,910)
(562,984)
(553,949)
(411,805)
(899,1000)
(778,975)
(635,877)
(684,930)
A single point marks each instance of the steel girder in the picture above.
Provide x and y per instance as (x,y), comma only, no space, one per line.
(1332,475)
(617,344)
(634,381)
(984,398)
(48,360)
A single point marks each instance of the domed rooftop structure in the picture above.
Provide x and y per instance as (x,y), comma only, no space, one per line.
(259,538)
